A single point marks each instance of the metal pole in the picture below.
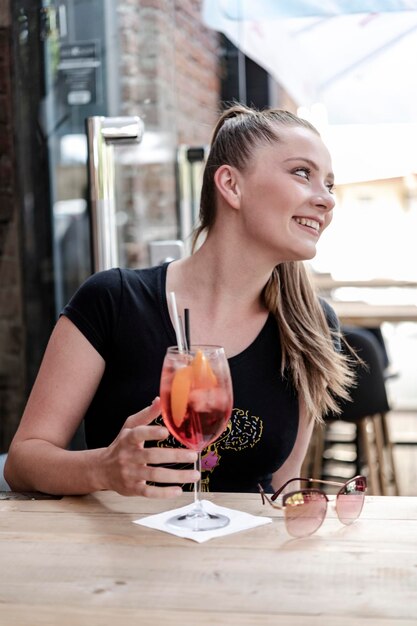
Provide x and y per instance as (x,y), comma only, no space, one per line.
(102,134)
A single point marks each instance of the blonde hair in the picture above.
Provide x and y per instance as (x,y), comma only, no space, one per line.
(320,374)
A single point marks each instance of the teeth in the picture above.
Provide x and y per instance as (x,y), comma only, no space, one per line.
(306,222)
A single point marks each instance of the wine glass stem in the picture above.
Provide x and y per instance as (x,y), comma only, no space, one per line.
(197,485)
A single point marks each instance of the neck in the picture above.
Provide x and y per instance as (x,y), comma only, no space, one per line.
(221,279)
(223,291)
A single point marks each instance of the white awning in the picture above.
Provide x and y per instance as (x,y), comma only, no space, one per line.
(357,59)
(361,66)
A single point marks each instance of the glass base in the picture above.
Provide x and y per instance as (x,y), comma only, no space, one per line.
(198,520)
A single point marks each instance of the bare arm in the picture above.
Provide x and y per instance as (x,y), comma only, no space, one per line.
(292,466)
(66,383)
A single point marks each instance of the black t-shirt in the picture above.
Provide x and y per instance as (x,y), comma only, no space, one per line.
(124,314)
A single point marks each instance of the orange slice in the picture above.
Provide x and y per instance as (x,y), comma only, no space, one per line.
(180,390)
(203,375)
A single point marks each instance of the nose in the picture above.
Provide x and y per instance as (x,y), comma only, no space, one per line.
(324,199)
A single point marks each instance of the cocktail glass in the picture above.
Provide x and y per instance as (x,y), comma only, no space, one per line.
(196,399)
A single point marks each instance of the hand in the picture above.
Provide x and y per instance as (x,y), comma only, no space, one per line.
(127,464)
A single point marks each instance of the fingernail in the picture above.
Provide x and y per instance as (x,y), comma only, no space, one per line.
(156,399)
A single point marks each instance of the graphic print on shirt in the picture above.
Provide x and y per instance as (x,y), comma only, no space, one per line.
(242,431)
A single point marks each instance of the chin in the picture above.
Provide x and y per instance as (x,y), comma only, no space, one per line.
(303,255)
(310,256)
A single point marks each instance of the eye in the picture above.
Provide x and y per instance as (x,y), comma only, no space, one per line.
(303,172)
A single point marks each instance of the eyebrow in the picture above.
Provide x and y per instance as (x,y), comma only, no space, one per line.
(312,164)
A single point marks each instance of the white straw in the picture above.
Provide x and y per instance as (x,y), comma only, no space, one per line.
(177,325)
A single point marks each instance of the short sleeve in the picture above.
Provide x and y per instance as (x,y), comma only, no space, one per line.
(94,309)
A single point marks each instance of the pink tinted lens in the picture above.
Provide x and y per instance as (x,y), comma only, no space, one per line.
(350,499)
(305,511)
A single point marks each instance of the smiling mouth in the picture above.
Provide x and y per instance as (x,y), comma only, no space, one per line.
(304,221)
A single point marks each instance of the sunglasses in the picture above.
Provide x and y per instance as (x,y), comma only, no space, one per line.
(305,508)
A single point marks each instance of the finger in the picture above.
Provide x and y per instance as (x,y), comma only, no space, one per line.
(152,491)
(146,416)
(167,475)
(139,434)
(166,456)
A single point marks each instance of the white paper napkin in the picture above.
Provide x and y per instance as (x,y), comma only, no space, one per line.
(239,520)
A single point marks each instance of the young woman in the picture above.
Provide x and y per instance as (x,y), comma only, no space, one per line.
(266,199)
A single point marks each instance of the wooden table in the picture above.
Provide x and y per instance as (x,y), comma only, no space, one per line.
(359,313)
(81,561)
(373,315)
(325,283)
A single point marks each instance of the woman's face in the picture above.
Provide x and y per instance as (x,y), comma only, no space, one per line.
(286,198)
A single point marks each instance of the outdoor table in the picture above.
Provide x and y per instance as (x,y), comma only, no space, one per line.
(373,315)
(81,560)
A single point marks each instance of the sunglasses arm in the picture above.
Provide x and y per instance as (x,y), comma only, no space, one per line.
(315,480)
(265,498)
(306,480)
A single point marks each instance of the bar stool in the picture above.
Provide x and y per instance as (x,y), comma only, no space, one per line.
(368,411)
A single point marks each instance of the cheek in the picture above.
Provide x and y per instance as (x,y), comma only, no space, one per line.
(328,219)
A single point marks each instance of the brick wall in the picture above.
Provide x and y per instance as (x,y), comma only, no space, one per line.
(169,66)
(170,76)
(12,353)
(197,75)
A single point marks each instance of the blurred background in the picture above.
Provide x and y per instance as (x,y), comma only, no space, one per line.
(106,111)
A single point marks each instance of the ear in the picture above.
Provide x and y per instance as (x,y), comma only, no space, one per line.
(226,180)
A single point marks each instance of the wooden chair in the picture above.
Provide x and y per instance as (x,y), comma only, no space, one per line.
(368,411)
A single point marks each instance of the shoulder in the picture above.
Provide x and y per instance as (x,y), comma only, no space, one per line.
(148,277)
(114,280)
(333,322)
(100,290)
(330,314)
(101,281)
